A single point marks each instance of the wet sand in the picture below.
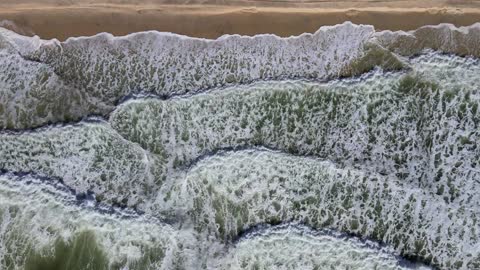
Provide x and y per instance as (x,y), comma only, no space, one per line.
(212,18)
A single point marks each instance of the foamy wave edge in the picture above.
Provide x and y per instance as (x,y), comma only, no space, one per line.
(90,75)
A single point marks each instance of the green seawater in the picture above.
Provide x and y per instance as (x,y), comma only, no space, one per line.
(79,252)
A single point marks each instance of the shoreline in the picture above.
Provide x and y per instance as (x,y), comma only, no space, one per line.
(213,21)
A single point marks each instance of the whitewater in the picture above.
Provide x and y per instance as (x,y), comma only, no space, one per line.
(348,148)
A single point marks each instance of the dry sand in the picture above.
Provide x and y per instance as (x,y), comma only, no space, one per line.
(213,18)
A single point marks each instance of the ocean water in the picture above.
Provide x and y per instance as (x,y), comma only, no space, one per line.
(348,148)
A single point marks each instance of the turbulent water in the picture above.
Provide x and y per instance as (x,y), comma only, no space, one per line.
(343,149)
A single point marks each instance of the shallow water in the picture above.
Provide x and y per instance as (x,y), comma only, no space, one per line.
(334,150)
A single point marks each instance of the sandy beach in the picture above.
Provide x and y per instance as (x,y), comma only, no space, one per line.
(212,18)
